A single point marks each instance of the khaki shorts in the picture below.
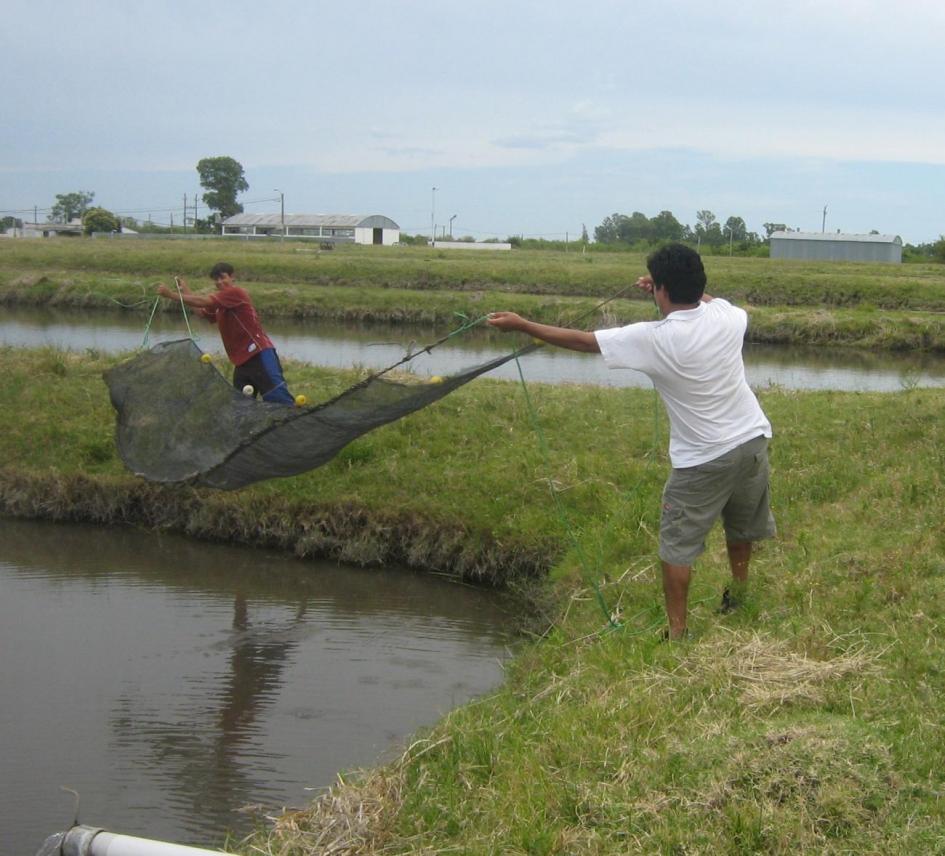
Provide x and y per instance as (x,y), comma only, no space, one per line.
(734,487)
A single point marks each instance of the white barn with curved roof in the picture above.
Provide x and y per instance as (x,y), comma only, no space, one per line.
(836,247)
(326,228)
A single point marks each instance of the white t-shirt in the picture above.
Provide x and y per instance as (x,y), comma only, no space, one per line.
(694,358)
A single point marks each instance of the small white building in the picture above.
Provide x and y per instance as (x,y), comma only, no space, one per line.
(50,230)
(326,228)
(836,247)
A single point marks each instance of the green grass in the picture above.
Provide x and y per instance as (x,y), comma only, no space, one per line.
(758,281)
(868,306)
(809,721)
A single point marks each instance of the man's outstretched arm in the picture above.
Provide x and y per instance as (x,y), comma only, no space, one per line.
(189,298)
(562,337)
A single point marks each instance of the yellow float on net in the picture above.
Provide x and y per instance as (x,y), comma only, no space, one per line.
(300,401)
(436,379)
(205,358)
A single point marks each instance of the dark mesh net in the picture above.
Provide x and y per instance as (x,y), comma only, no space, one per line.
(180,420)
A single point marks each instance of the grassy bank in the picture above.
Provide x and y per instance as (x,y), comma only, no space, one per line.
(125,265)
(807,722)
(808,315)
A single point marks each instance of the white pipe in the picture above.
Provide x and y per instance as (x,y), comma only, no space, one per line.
(88,841)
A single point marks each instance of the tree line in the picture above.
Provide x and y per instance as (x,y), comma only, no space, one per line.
(639,231)
(637,228)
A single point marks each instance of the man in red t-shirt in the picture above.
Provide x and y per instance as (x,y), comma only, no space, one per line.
(249,348)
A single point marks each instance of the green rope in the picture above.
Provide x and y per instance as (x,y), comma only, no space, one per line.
(467,325)
(147,327)
(143,302)
(562,514)
(585,565)
(183,308)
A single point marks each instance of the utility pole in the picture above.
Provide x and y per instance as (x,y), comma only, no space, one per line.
(823,224)
(281,210)
(433,218)
(184,221)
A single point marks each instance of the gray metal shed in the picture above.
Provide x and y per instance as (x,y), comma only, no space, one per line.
(326,228)
(836,247)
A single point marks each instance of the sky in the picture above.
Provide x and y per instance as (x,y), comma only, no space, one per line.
(529,118)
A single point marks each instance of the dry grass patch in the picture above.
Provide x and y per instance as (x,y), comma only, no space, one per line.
(355,817)
(765,673)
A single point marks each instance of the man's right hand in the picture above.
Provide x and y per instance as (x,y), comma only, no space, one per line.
(645,283)
(505,321)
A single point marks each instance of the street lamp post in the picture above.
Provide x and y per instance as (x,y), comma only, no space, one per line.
(281,209)
(433,218)
(451,226)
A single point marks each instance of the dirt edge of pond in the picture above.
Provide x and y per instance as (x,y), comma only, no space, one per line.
(345,532)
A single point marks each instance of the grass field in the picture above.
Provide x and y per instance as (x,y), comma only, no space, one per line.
(810,721)
(761,282)
(875,306)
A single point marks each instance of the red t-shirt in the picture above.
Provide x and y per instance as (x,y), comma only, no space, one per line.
(233,312)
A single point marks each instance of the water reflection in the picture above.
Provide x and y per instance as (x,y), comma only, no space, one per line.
(172,682)
(377,346)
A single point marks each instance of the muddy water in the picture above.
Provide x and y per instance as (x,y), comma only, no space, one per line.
(180,687)
(376,347)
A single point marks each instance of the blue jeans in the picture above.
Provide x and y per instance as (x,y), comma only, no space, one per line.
(263,372)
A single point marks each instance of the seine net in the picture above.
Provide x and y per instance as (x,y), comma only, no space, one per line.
(181,421)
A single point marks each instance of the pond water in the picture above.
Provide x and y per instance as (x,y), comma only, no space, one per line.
(181,686)
(378,346)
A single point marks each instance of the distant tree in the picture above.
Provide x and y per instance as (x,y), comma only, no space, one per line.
(222,178)
(11,223)
(637,228)
(610,229)
(735,229)
(584,236)
(100,220)
(68,206)
(938,249)
(619,228)
(706,219)
(708,230)
(771,228)
(665,227)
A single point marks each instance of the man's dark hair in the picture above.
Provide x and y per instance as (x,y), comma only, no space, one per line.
(679,270)
(221,268)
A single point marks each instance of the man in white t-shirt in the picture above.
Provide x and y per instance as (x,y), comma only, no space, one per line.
(718,431)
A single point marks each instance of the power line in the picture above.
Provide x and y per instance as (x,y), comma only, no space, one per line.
(141,209)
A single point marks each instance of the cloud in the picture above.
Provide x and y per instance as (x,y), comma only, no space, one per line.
(543,140)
